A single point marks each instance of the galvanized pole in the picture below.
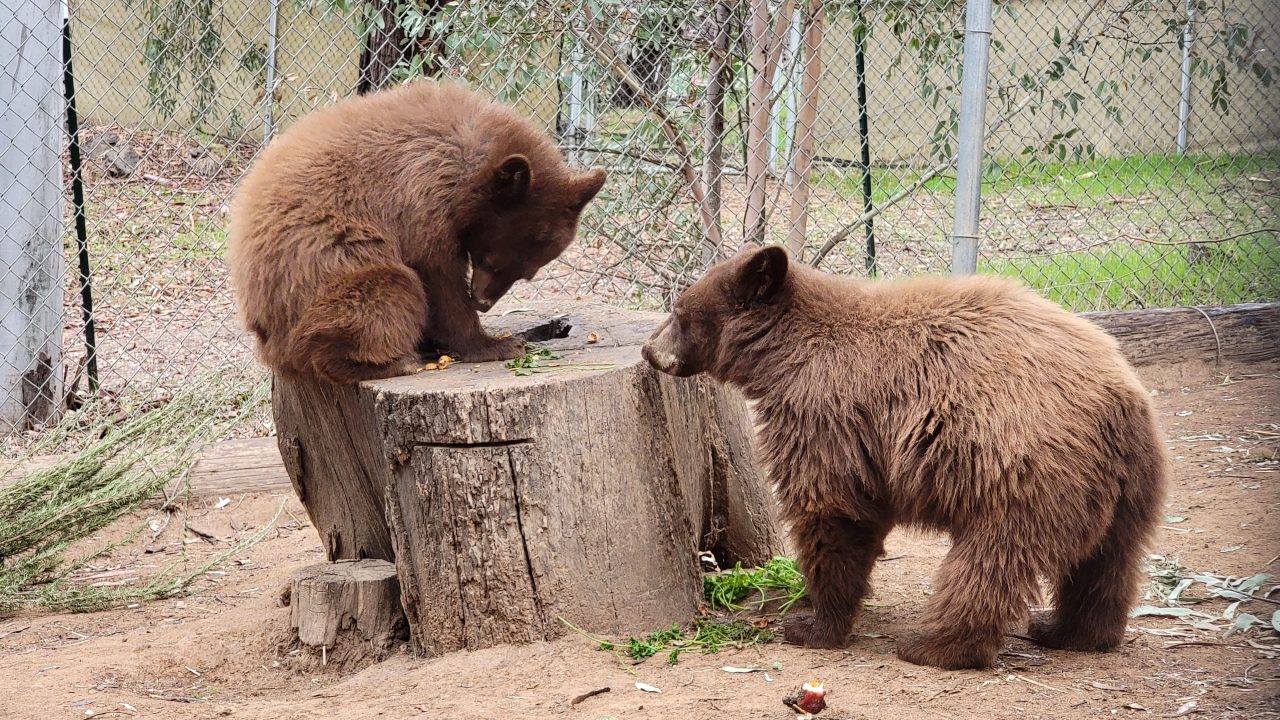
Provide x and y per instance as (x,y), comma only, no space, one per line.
(1184,97)
(973,120)
(269,96)
(31,210)
(575,134)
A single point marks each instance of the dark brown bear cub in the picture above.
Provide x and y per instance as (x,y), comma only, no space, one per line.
(969,405)
(354,234)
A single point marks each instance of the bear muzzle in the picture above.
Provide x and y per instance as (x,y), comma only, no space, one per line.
(659,352)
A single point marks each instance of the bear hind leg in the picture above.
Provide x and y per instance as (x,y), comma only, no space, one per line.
(984,584)
(364,326)
(836,556)
(1093,598)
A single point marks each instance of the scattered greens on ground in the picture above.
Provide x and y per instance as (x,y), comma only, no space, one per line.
(132,459)
(725,590)
(707,635)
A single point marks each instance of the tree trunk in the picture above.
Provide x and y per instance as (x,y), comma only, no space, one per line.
(581,490)
(720,76)
(31,116)
(650,63)
(798,178)
(766,50)
(389,46)
(758,124)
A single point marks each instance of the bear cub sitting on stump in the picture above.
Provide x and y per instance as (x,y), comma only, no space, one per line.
(354,234)
(969,405)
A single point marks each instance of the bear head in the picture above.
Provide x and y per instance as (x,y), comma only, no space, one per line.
(698,336)
(526,222)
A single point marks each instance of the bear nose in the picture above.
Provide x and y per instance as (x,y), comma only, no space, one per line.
(481,304)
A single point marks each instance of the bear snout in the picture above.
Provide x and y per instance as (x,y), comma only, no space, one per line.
(665,362)
(659,353)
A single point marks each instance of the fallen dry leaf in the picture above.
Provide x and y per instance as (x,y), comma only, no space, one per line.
(592,337)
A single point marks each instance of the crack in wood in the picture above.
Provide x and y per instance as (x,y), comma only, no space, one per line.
(476,445)
(483,445)
(524,539)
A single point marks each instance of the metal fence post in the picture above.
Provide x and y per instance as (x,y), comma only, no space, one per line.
(269,95)
(31,211)
(973,113)
(1184,95)
(575,134)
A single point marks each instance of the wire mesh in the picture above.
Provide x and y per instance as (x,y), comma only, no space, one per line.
(1120,171)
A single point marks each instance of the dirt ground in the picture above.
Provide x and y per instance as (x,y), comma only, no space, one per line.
(223,649)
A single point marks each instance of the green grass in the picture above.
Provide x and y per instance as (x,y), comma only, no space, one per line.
(1129,276)
(1125,176)
(1055,183)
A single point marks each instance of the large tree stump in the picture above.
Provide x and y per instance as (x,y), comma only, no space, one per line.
(582,490)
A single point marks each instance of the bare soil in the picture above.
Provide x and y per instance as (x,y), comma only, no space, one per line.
(223,650)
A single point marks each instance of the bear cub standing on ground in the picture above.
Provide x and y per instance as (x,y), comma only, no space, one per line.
(352,235)
(969,405)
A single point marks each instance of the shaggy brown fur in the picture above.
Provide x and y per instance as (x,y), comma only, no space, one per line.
(969,405)
(352,235)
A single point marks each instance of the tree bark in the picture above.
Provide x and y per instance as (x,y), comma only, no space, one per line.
(31,211)
(582,490)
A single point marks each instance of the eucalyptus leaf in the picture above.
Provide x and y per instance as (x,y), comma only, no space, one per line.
(1153,611)
(1243,623)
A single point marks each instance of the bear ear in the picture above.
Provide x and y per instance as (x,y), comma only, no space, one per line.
(588,184)
(512,178)
(762,275)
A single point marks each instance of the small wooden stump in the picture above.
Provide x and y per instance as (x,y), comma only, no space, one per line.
(581,490)
(349,610)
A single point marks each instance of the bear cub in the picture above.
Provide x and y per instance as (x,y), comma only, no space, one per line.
(377,228)
(969,405)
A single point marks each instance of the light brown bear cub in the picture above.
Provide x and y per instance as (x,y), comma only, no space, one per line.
(969,405)
(352,235)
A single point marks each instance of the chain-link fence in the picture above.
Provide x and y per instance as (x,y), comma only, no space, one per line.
(1132,151)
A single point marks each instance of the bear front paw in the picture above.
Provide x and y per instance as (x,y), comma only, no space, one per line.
(494,349)
(803,629)
(920,649)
